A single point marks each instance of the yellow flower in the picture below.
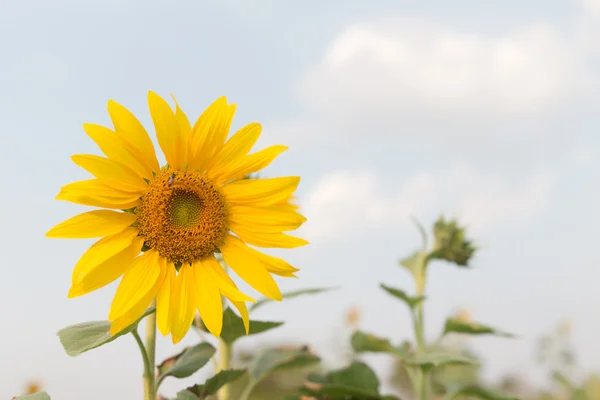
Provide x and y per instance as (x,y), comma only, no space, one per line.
(179,215)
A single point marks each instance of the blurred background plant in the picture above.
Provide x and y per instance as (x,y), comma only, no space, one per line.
(443,369)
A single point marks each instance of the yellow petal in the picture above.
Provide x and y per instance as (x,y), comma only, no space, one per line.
(117,149)
(163,299)
(107,271)
(249,164)
(186,133)
(271,219)
(183,305)
(239,257)
(234,149)
(222,280)
(241,307)
(94,193)
(111,172)
(129,128)
(93,224)
(138,308)
(210,132)
(167,128)
(260,192)
(208,300)
(269,240)
(101,251)
(276,265)
(137,282)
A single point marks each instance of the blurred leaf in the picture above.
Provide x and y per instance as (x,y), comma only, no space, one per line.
(186,395)
(415,262)
(357,381)
(34,396)
(454,325)
(365,342)
(274,359)
(187,362)
(400,294)
(435,359)
(233,326)
(79,338)
(211,386)
(480,392)
(290,295)
(563,380)
(422,231)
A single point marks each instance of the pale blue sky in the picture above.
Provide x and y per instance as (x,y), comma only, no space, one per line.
(391,109)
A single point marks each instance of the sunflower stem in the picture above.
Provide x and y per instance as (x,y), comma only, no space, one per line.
(148,384)
(149,387)
(421,381)
(224,362)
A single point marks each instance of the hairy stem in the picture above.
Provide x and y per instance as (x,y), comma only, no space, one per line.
(224,361)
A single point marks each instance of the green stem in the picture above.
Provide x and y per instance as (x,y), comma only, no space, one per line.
(247,391)
(224,362)
(150,391)
(148,383)
(420,385)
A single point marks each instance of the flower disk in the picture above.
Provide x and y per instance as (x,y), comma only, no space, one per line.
(183,216)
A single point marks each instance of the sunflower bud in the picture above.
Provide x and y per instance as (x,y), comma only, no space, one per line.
(450,243)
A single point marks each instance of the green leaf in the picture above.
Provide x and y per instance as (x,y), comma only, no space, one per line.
(358,376)
(365,342)
(34,396)
(274,359)
(233,326)
(415,262)
(422,231)
(187,362)
(472,328)
(290,295)
(400,294)
(480,392)
(79,338)
(186,395)
(211,386)
(436,359)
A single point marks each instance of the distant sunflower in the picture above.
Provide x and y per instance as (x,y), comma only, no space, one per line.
(179,215)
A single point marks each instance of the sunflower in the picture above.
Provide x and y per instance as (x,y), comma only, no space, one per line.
(161,227)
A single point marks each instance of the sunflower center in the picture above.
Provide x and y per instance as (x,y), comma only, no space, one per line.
(183,216)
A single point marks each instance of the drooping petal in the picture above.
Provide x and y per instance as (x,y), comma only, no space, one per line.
(92,224)
(260,192)
(222,280)
(249,164)
(138,308)
(164,298)
(112,173)
(208,299)
(276,265)
(271,219)
(241,307)
(183,305)
(167,128)
(94,193)
(251,269)
(129,128)
(117,149)
(101,251)
(107,271)
(234,149)
(268,240)
(137,282)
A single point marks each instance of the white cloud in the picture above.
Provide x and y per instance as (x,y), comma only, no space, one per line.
(592,7)
(344,204)
(401,70)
